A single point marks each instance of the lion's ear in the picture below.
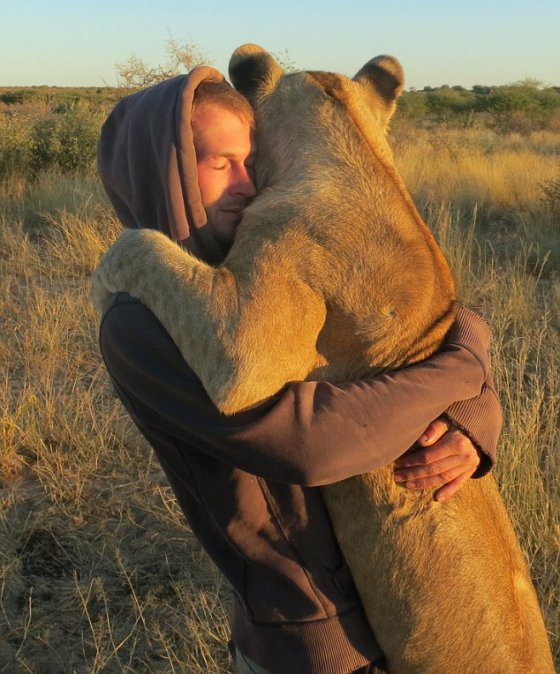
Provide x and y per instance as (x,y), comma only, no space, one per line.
(253,71)
(385,75)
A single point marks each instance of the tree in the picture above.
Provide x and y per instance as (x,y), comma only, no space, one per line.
(135,73)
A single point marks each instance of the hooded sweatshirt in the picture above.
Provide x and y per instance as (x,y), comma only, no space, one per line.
(248,484)
(147,162)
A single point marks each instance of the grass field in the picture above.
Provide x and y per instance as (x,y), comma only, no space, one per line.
(98,572)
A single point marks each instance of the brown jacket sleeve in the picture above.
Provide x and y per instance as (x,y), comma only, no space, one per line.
(310,433)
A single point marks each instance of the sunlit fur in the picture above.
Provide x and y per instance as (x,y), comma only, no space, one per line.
(333,274)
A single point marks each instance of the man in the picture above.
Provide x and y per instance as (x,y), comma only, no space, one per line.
(178,156)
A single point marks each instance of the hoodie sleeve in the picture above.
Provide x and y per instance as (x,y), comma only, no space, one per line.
(310,433)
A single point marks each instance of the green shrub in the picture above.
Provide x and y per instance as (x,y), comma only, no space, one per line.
(412,105)
(66,139)
(520,108)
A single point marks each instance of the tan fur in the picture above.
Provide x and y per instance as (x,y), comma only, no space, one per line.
(333,274)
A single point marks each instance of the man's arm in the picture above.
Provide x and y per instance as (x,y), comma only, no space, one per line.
(311,433)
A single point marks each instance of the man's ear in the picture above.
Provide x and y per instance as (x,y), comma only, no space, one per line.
(383,74)
(253,71)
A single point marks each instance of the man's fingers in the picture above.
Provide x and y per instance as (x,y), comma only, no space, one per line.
(451,488)
(434,432)
(436,464)
(453,443)
(431,469)
(421,457)
(433,435)
(425,481)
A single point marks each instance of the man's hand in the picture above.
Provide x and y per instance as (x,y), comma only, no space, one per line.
(446,457)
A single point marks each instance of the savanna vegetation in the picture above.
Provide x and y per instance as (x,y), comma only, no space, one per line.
(98,572)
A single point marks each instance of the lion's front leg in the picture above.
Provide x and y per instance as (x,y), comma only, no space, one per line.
(155,270)
(244,335)
(133,264)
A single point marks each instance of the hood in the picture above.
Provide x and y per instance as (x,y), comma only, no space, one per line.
(147,161)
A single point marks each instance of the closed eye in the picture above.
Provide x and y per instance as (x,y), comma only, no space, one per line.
(218,163)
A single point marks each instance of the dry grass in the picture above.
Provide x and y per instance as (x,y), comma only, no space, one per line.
(503,176)
(98,573)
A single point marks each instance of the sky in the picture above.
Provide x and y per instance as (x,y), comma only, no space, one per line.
(77,43)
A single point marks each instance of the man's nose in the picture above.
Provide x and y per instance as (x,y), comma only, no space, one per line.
(243,183)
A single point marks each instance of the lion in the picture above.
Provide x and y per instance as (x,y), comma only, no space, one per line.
(334,275)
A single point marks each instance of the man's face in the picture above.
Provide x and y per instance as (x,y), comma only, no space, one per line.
(225,150)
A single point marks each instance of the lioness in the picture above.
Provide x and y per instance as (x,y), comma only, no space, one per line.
(334,274)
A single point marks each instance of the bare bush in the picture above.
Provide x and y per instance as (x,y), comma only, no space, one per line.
(135,73)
